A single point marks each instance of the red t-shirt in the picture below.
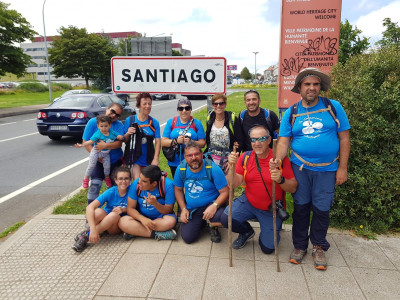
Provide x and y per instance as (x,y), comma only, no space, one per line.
(255,190)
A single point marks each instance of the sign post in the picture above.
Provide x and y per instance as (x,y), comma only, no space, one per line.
(310,32)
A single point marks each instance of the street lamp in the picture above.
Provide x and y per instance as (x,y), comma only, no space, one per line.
(47,55)
(255,65)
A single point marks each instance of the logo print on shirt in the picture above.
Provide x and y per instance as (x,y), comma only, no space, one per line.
(194,189)
(310,127)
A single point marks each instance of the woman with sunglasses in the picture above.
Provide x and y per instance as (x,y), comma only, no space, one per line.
(220,130)
(147,130)
(181,129)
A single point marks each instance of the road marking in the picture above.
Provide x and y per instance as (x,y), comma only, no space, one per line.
(17,122)
(17,137)
(39,181)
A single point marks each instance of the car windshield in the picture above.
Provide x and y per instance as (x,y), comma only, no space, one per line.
(72,102)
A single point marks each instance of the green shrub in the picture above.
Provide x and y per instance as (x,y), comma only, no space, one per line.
(33,87)
(61,86)
(368,86)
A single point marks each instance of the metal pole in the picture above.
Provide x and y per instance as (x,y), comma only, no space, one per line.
(255,65)
(47,55)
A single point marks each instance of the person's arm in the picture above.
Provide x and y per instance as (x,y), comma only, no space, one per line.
(101,145)
(210,211)
(201,143)
(157,149)
(344,153)
(288,185)
(237,179)
(85,144)
(163,209)
(94,236)
(282,148)
(135,214)
(180,198)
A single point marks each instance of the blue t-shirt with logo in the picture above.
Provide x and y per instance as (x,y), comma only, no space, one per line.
(315,136)
(147,209)
(98,136)
(113,199)
(117,126)
(199,190)
(142,160)
(177,131)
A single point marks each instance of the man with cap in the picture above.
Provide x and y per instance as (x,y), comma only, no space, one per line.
(255,115)
(317,130)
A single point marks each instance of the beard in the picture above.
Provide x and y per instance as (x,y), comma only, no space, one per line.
(195,164)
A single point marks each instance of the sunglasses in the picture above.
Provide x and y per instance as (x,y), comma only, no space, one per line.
(260,139)
(252,91)
(114,113)
(218,104)
(187,108)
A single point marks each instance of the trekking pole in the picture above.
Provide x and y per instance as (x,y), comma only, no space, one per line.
(278,269)
(132,150)
(231,194)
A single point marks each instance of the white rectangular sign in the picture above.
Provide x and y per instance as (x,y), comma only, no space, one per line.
(171,74)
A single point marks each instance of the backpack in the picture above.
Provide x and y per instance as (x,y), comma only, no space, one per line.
(208,165)
(267,118)
(327,103)
(175,120)
(161,186)
(232,117)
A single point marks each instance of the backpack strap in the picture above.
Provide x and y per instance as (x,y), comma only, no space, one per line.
(207,165)
(150,125)
(312,164)
(244,162)
(160,186)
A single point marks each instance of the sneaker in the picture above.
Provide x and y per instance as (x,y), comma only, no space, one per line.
(297,256)
(165,235)
(128,237)
(215,236)
(318,255)
(85,184)
(108,182)
(81,244)
(242,239)
(80,234)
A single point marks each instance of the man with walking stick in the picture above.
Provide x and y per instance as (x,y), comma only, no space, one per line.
(317,130)
(253,169)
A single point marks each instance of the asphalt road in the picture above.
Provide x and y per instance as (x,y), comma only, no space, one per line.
(37,172)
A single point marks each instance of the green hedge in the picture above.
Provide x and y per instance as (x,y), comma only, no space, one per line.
(368,86)
(33,87)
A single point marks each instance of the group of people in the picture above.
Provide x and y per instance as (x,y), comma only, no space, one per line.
(316,129)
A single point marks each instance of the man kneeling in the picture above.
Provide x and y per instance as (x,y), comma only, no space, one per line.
(150,203)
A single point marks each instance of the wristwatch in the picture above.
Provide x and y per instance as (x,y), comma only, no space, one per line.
(216,204)
(282,180)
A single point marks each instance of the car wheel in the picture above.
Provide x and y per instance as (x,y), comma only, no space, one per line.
(170,97)
(55,137)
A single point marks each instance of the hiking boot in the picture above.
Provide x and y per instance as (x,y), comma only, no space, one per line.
(215,236)
(85,184)
(297,256)
(108,182)
(318,255)
(165,235)
(128,237)
(80,234)
(242,239)
(81,244)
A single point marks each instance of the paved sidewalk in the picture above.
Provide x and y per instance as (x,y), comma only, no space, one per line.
(37,262)
(14,111)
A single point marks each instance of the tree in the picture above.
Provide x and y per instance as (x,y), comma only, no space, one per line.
(14,28)
(76,53)
(350,42)
(391,36)
(245,74)
(176,53)
(368,87)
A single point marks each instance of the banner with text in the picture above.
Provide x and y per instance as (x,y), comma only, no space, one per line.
(169,75)
(310,32)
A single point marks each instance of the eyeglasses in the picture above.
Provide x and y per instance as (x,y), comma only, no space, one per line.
(114,113)
(260,139)
(218,104)
(193,155)
(123,179)
(187,108)
(252,91)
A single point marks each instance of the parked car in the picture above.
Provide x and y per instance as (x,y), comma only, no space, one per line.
(123,97)
(163,96)
(71,92)
(69,115)
(196,97)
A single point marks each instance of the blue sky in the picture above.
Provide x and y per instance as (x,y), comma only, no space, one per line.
(230,28)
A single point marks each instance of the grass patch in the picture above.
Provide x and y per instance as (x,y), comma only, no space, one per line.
(11,229)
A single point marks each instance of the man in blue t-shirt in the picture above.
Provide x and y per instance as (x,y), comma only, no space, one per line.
(320,140)
(114,111)
(204,196)
(150,207)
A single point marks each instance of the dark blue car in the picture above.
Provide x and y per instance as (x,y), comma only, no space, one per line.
(69,115)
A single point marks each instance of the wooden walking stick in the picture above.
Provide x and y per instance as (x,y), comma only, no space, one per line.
(278,269)
(231,194)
